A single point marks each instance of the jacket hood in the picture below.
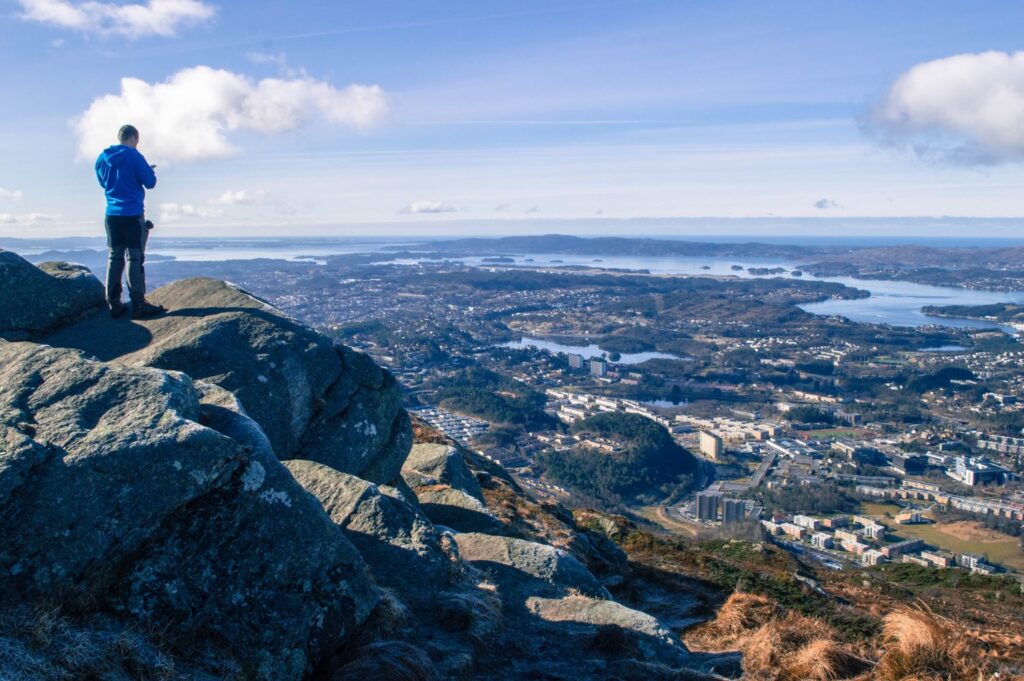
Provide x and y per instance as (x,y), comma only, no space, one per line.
(116,154)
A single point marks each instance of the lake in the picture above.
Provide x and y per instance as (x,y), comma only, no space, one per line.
(588,351)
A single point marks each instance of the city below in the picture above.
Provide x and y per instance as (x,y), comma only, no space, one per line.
(849,443)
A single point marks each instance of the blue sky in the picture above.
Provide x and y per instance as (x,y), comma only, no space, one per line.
(326,117)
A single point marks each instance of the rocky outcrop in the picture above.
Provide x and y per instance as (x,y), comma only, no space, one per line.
(447,490)
(113,491)
(402,547)
(521,566)
(313,400)
(222,490)
(588,616)
(439,464)
(38,299)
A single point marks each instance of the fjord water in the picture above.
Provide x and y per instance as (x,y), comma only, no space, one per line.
(891,302)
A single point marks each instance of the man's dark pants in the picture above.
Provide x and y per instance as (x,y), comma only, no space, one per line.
(126,238)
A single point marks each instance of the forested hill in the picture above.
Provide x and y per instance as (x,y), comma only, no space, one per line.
(650,467)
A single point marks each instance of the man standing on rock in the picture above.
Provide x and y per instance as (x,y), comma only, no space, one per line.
(125,176)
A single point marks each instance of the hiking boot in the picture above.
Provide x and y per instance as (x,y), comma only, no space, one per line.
(143,310)
(117,309)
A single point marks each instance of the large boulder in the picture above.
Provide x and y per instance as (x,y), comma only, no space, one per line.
(39,299)
(313,400)
(582,615)
(447,490)
(524,567)
(402,547)
(439,464)
(116,494)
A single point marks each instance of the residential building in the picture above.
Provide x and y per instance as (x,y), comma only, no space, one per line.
(876,531)
(909,518)
(970,560)
(899,548)
(733,510)
(915,559)
(855,547)
(846,535)
(793,530)
(938,558)
(872,557)
(973,471)
(707,505)
(822,540)
(807,521)
(710,445)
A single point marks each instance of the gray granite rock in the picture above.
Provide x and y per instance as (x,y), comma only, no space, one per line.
(438,464)
(116,492)
(39,299)
(524,567)
(312,400)
(401,546)
(652,639)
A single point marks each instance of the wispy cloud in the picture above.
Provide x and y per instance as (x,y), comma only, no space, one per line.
(187,117)
(422,207)
(9,194)
(154,18)
(241,197)
(966,108)
(26,219)
(176,212)
(257,57)
(826,204)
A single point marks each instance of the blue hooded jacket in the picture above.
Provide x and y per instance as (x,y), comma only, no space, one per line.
(124,175)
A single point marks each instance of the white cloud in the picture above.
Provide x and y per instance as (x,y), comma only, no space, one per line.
(156,17)
(532,209)
(278,59)
(241,197)
(825,204)
(26,219)
(502,208)
(187,117)
(9,194)
(418,207)
(968,107)
(175,212)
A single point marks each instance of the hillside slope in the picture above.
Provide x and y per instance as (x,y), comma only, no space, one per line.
(220,493)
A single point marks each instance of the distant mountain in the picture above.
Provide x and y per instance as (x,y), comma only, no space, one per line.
(561,243)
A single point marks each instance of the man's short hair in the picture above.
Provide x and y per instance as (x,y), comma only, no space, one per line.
(126,133)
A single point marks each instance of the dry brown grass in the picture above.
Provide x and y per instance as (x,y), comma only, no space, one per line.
(776,645)
(744,612)
(921,646)
(916,645)
(823,660)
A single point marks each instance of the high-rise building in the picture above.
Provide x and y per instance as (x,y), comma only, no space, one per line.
(733,510)
(707,505)
(710,445)
(598,367)
(576,361)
